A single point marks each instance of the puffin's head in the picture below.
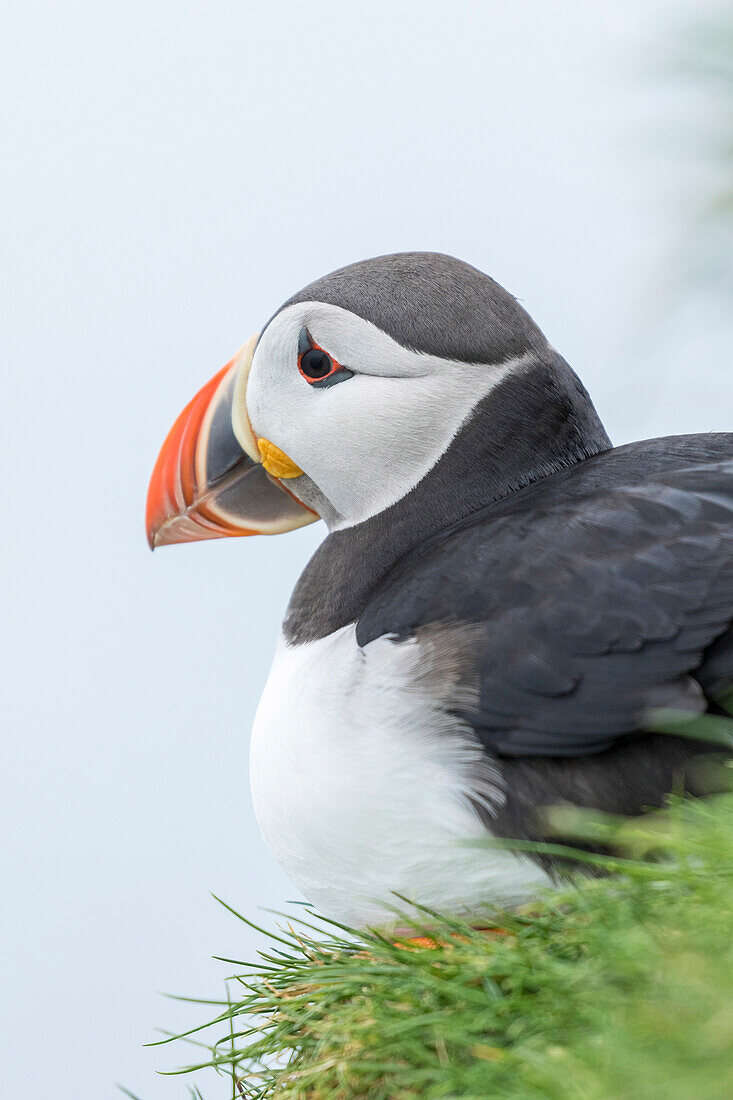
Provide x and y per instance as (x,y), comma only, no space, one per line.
(356,390)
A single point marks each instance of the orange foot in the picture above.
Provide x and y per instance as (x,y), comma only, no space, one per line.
(429,943)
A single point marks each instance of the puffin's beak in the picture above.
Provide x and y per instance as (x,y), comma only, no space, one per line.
(209,483)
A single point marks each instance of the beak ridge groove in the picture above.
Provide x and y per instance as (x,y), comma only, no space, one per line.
(209,482)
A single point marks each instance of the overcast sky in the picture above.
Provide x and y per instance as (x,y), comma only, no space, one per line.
(170,173)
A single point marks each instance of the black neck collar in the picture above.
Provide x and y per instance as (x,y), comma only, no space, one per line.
(534,423)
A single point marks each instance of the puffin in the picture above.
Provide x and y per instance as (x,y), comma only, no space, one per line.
(501,604)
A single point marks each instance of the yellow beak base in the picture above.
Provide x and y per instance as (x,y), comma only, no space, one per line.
(276,462)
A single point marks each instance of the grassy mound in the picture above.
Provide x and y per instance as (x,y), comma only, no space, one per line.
(619,988)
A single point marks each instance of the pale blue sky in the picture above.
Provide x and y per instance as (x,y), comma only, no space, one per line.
(170,173)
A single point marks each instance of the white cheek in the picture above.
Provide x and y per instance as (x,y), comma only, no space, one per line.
(366,442)
(273,396)
(380,436)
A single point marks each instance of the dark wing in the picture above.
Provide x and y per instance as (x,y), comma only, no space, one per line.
(592,610)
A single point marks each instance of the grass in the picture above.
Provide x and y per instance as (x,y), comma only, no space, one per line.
(618,988)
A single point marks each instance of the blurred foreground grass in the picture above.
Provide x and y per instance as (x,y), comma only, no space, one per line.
(619,988)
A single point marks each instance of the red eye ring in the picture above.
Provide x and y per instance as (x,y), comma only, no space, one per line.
(315,364)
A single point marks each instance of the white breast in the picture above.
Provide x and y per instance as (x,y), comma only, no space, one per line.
(362,783)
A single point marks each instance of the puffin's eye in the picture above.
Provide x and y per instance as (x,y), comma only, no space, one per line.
(318,367)
(316,364)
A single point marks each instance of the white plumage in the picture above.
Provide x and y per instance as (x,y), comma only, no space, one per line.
(363,783)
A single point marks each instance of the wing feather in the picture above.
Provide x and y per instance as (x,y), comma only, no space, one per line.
(592,609)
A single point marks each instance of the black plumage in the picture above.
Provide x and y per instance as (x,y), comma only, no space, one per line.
(597,583)
(601,593)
